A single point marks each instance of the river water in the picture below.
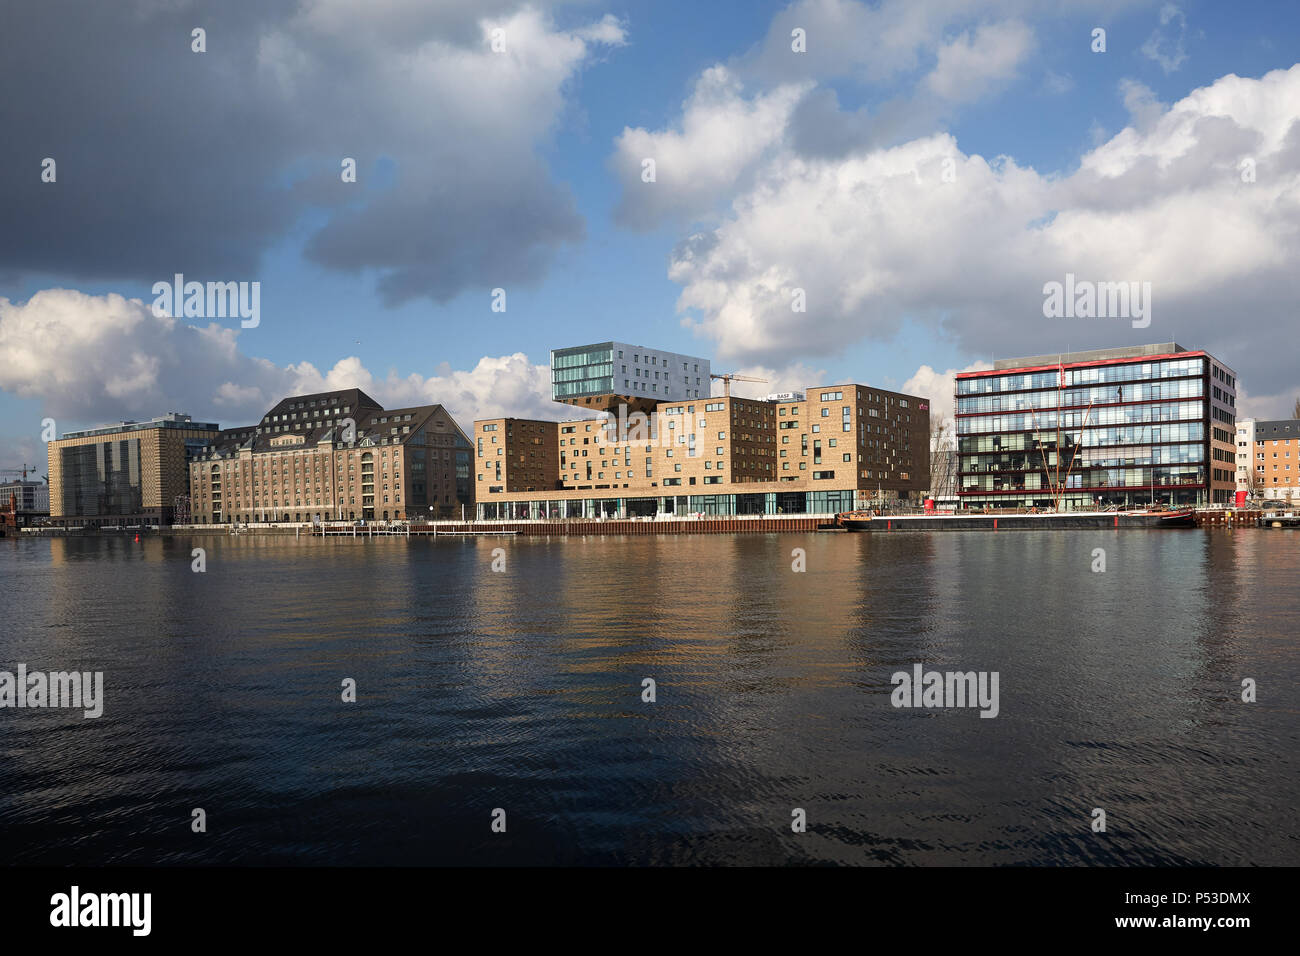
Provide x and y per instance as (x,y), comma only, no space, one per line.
(521,690)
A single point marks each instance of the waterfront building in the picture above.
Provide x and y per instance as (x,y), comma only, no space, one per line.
(334,456)
(1275,453)
(130,473)
(1247,483)
(515,454)
(603,376)
(27,501)
(841,447)
(1123,426)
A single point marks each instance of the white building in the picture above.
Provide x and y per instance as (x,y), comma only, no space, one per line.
(1245,442)
(31,497)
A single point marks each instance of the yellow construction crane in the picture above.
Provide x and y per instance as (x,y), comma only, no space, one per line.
(727,379)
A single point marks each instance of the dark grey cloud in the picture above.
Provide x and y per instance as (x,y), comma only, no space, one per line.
(174,161)
(821,129)
(166,159)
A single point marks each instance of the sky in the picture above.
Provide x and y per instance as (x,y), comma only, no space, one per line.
(842,191)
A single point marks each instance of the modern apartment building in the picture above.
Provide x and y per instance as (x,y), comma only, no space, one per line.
(1125,426)
(515,454)
(333,456)
(839,448)
(1275,459)
(124,474)
(30,500)
(604,376)
(1246,480)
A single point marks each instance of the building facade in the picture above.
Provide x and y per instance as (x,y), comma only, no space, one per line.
(603,376)
(1110,427)
(515,454)
(1275,459)
(841,447)
(27,501)
(1246,478)
(335,456)
(130,473)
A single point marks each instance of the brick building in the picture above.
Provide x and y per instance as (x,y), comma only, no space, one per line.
(333,456)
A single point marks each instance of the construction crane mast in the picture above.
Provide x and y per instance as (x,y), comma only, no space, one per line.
(19,471)
(727,378)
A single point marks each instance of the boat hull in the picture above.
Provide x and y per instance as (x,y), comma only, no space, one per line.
(1099,520)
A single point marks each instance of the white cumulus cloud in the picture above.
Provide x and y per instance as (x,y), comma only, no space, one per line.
(94,358)
(970,65)
(928,232)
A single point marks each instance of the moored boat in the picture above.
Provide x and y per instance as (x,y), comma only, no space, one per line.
(863,520)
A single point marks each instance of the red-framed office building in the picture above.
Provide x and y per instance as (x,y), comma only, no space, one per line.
(1109,427)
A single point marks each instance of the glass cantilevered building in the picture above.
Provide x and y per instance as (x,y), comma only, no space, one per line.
(1126,427)
(829,449)
(603,376)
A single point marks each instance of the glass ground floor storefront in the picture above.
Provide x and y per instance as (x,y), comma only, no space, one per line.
(1091,500)
(769,503)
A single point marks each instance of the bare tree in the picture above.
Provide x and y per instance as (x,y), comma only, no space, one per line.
(942,449)
(1295,412)
(1252,482)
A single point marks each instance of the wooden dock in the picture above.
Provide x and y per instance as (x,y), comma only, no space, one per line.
(1226,518)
